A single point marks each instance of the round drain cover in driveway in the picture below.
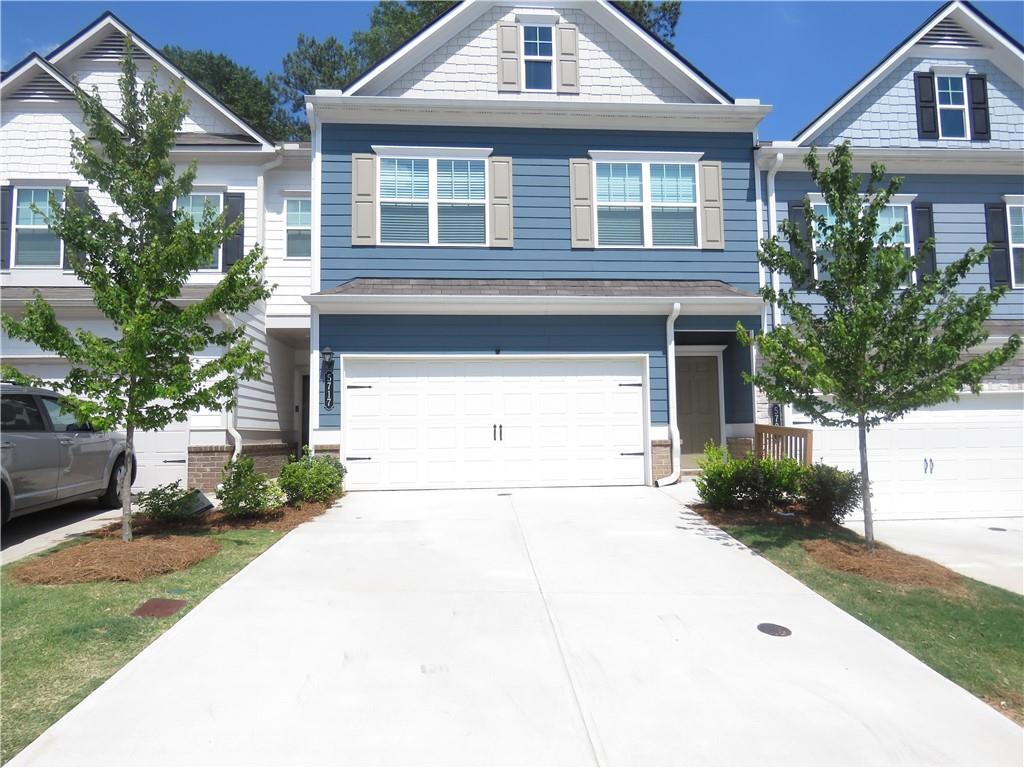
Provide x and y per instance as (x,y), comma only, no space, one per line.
(776,630)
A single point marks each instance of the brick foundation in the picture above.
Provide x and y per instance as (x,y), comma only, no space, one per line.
(739,447)
(206,462)
(661,459)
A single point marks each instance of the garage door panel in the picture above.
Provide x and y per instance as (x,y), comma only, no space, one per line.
(562,422)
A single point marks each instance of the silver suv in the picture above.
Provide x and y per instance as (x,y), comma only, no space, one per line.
(48,459)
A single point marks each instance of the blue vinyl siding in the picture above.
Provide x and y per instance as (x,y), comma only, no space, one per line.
(958,207)
(541,209)
(463,334)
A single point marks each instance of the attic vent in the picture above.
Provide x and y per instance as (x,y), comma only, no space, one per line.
(949,33)
(111,49)
(43,88)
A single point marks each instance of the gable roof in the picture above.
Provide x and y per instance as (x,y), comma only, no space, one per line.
(664,59)
(41,81)
(955,25)
(93,34)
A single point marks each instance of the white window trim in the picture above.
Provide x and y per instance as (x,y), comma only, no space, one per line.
(896,201)
(962,76)
(1013,201)
(15,226)
(433,153)
(307,228)
(432,199)
(524,58)
(645,203)
(620,156)
(220,248)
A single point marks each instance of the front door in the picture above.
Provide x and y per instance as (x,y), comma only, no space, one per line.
(697,393)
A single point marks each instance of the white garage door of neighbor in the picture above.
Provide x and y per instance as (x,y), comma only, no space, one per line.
(493,423)
(959,459)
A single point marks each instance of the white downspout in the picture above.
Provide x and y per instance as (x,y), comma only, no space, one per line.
(261,208)
(673,426)
(232,422)
(773,229)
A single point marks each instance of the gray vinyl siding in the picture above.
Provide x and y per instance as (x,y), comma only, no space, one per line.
(541,209)
(959,211)
(886,115)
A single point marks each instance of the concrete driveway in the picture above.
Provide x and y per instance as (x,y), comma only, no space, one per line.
(536,627)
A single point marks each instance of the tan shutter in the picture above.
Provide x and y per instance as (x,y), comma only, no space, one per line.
(581,200)
(711,206)
(364,199)
(501,202)
(568,59)
(508,58)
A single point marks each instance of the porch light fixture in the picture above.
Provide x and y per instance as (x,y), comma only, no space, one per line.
(327,358)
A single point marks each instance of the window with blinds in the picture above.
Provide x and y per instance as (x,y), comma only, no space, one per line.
(888,218)
(1016,227)
(34,244)
(433,201)
(647,204)
(198,206)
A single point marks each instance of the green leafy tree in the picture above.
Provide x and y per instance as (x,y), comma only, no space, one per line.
(136,261)
(332,64)
(879,344)
(240,89)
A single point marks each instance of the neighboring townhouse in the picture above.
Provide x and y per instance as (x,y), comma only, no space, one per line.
(945,111)
(239,171)
(535,230)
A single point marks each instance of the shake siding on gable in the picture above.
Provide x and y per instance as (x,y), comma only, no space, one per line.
(958,206)
(540,161)
(885,116)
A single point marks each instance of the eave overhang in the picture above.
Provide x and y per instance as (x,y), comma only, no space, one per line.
(903,160)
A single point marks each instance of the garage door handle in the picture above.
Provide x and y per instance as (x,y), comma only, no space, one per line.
(357,458)
(500,428)
(174,461)
(631,385)
(494,432)
(634,453)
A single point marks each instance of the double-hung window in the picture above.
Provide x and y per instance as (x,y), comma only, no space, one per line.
(538,58)
(298,227)
(1015,216)
(888,217)
(34,244)
(647,204)
(433,201)
(196,205)
(952,93)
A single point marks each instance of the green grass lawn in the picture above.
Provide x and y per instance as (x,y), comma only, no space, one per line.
(59,643)
(976,639)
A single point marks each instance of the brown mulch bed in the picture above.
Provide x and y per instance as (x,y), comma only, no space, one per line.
(722,517)
(115,560)
(883,564)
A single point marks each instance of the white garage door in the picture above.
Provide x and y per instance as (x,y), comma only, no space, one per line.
(959,459)
(493,423)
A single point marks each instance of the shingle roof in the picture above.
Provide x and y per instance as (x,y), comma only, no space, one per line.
(420,286)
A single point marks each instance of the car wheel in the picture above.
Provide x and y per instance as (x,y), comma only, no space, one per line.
(112,497)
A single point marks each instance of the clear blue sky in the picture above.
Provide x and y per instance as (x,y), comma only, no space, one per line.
(797,56)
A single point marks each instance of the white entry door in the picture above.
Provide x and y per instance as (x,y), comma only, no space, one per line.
(494,422)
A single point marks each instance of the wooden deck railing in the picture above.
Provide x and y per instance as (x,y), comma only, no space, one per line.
(783,442)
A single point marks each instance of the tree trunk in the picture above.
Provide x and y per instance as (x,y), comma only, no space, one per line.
(126,486)
(865,483)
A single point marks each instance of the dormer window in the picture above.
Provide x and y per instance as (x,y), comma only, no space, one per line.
(952,93)
(538,58)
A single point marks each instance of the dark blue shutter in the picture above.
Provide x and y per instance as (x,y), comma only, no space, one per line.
(927,109)
(977,100)
(82,200)
(234,206)
(999,238)
(6,216)
(924,228)
(797,217)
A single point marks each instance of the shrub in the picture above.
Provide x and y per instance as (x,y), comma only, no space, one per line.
(765,484)
(244,492)
(170,503)
(830,494)
(312,478)
(718,486)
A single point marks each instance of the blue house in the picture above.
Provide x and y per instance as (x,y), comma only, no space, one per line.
(944,111)
(534,232)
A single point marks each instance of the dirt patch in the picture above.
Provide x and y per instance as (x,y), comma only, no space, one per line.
(791,517)
(1009,703)
(115,560)
(884,564)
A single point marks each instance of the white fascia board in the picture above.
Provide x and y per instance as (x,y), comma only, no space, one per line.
(109,21)
(441,153)
(624,156)
(726,118)
(530,305)
(929,160)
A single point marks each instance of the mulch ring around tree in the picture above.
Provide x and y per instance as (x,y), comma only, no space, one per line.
(883,564)
(115,560)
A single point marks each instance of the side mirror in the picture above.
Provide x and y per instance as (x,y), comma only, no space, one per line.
(79,428)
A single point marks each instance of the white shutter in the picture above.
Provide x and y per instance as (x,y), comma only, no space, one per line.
(364,199)
(508,58)
(711,205)
(567,64)
(581,202)
(501,202)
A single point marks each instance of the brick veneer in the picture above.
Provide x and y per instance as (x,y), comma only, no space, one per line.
(739,447)
(661,459)
(206,462)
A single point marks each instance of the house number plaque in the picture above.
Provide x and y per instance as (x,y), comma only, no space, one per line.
(329,388)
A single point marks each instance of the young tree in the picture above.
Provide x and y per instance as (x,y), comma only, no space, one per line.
(865,343)
(136,261)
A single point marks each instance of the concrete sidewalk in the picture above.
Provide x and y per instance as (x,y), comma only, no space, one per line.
(535,627)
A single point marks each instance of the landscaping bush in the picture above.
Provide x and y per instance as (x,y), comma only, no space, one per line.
(765,484)
(719,485)
(170,503)
(312,478)
(244,492)
(830,494)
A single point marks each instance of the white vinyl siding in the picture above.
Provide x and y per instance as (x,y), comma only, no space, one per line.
(196,206)
(1015,218)
(298,228)
(647,204)
(952,103)
(34,244)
